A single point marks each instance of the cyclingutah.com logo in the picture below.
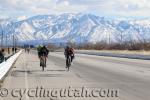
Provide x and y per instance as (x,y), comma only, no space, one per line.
(57,93)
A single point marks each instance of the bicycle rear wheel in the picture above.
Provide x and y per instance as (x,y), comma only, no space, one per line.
(42,68)
(42,63)
(68,63)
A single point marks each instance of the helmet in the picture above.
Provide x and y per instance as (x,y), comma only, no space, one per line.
(44,46)
(67,47)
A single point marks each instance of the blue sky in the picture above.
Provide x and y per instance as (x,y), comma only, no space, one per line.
(110,8)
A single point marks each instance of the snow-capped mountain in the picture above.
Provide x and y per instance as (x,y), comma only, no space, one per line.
(79,28)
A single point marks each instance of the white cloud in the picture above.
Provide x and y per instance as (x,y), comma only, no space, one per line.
(70,8)
(66,7)
(129,4)
(13,8)
(132,7)
(66,3)
(37,10)
(21,18)
(125,8)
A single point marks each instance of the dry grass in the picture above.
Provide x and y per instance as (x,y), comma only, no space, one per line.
(139,52)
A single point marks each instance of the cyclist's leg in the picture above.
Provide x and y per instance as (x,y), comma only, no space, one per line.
(71,58)
(66,62)
(40,60)
(45,61)
(67,57)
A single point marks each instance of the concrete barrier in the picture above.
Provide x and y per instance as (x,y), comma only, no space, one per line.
(6,65)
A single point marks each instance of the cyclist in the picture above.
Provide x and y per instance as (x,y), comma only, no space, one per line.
(43,54)
(69,51)
(39,49)
(28,50)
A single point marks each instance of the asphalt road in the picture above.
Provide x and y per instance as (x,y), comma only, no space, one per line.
(129,77)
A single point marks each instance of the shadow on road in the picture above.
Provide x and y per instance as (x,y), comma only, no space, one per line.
(57,70)
(36,73)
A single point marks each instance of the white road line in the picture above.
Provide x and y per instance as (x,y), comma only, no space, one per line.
(26,79)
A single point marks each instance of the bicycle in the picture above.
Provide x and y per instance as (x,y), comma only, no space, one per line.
(43,62)
(68,62)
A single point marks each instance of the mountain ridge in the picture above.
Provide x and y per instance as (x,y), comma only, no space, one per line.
(78,28)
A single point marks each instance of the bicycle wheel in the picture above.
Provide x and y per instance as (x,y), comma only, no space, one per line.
(42,68)
(68,63)
(42,63)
